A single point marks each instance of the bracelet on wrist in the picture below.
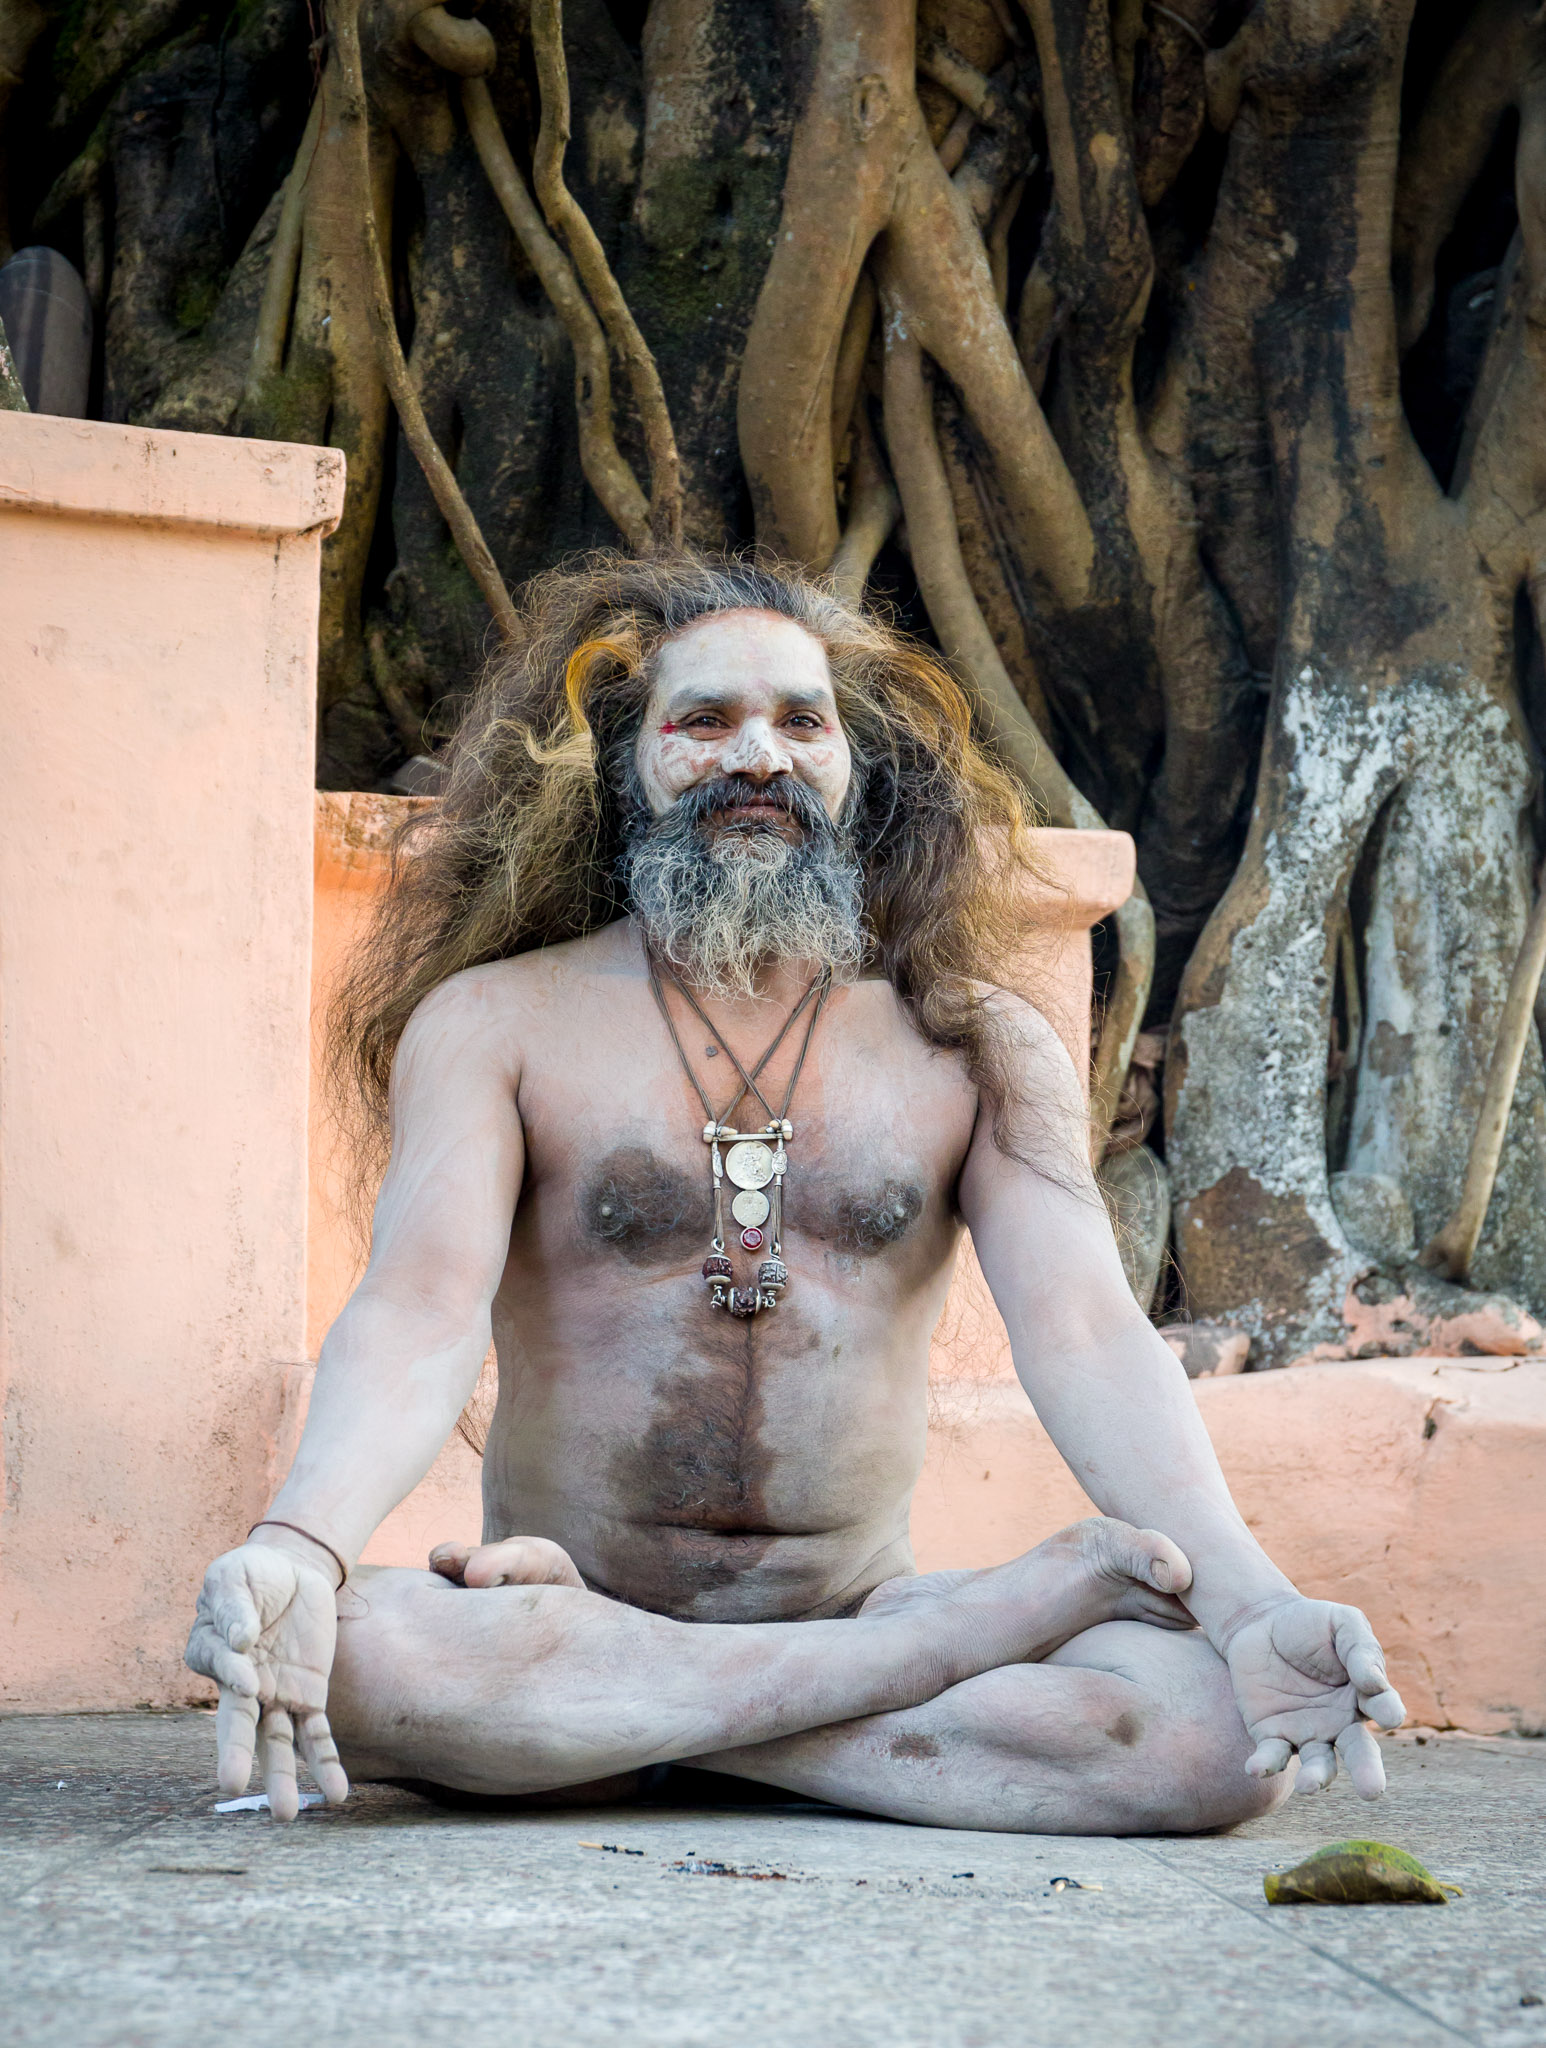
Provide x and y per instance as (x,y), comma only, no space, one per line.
(273,1522)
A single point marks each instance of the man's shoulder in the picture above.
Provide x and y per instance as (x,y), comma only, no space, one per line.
(504,991)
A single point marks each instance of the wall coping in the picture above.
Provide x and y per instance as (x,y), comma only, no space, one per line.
(94,470)
(1085,875)
(1089,874)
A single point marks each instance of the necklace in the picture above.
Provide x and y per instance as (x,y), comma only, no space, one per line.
(753,1162)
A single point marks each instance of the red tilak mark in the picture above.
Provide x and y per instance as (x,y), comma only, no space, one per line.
(668,727)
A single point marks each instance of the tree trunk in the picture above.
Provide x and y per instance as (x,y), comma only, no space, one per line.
(1176,370)
(1396,752)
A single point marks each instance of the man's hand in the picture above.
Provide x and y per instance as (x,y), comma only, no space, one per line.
(1304,1672)
(265,1632)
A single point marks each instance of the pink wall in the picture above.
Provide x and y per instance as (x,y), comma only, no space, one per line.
(157,633)
(1414,1488)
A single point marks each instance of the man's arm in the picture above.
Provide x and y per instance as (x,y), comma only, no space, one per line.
(1114,1399)
(395,1371)
(402,1360)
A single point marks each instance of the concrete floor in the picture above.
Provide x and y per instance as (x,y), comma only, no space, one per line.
(130,1912)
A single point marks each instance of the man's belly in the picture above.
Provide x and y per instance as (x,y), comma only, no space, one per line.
(746,1575)
(729,1486)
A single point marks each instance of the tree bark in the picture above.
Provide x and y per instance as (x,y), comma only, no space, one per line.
(1177,370)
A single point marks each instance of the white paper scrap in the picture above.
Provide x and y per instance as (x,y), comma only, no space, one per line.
(257,1802)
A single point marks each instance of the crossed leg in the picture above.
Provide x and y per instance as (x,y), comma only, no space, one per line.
(1053,1694)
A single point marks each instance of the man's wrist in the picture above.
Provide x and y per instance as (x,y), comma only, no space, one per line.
(1233,1582)
(306,1548)
(1222,1630)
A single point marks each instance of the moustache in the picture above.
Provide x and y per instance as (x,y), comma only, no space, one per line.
(697,806)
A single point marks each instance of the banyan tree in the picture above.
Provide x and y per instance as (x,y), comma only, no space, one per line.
(1176,369)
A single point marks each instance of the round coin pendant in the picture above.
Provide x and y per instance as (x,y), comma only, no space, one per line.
(752,1239)
(750,1163)
(750,1207)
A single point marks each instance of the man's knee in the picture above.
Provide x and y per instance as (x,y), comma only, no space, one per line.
(1164,1730)
(1192,1747)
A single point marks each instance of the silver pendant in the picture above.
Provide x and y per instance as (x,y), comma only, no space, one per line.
(750,1163)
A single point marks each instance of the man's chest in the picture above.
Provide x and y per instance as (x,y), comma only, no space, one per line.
(618,1165)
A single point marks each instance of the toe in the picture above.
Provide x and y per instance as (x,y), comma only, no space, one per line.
(521,1561)
(1146,1555)
(450,1560)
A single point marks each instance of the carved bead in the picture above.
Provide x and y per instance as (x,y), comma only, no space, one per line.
(772,1273)
(744,1301)
(717,1267)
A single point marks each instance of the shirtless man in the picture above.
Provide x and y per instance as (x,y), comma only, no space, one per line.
(699,795)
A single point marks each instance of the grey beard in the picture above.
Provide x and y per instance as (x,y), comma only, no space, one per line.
(717,910)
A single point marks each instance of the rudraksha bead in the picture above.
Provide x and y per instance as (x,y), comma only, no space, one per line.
(717,1267)
(772,1273)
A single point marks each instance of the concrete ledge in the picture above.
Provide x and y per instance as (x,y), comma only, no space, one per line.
(1412,1488)
(87,469)
(1090,875)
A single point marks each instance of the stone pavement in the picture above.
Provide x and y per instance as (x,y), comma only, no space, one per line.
(130,1913)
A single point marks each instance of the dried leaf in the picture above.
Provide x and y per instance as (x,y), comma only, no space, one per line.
(1356,1874)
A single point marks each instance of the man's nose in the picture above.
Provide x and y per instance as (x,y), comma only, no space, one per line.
(756,751)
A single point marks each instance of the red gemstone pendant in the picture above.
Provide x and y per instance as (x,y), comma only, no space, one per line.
(752,1239)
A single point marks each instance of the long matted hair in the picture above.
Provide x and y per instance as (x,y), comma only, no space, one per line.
(522,849)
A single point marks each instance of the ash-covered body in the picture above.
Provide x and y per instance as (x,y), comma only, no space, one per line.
(697,1464)
(668,1486)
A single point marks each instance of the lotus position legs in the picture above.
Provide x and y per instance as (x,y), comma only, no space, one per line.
(1062,1691)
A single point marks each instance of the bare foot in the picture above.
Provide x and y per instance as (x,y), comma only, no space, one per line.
(517,1561)
(1095,1571)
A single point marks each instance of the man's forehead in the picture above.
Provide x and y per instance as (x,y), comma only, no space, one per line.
(738,656)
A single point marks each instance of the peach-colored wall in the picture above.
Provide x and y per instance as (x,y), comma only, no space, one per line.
(158,608)
(1414,1488)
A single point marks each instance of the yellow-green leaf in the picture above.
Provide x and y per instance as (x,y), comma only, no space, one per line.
(1356,1874)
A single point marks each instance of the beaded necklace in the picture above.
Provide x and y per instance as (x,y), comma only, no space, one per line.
(755,1160)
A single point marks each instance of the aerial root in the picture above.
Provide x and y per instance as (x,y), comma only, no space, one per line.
(454,508)
(567,218)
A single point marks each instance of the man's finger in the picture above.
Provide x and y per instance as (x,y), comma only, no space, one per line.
(450,1560)
(233,1613)
(278,1740)
(1362,1659)
(1384,1707)
(321,1754)
(1317,1767)
(1361,1758)
(1364,1662)
(212,1657)
(236,1731)
(1269,1757)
